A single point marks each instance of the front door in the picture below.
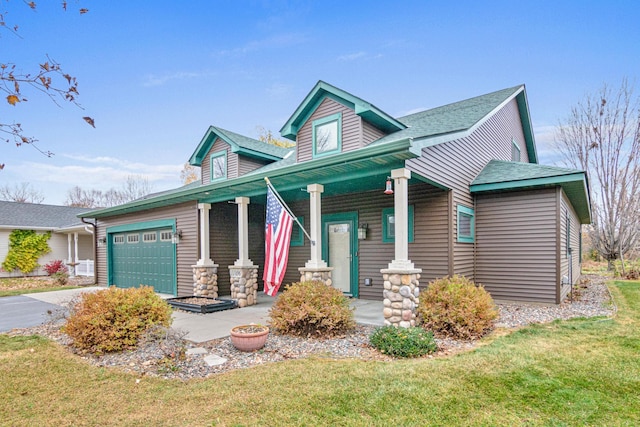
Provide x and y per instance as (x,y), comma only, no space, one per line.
(340,250)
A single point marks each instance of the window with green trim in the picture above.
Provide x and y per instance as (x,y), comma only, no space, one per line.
(218,165)
(515,151)
(389,225)
(466,225)
(327,135)
(297,235)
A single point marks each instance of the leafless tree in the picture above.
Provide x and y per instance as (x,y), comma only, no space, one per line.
(22,193)
(135,187)
(602,137)
(189,174)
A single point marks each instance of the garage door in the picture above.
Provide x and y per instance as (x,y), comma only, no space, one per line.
(144,257)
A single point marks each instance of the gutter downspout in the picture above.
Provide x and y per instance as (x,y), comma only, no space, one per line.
(95,248)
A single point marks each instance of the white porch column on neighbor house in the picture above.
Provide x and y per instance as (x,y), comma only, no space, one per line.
(75,248)
(205,254)
(316,261)
(401,212)
(243,233)
(69,259)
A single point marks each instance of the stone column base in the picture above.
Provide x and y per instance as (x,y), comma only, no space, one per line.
(401,291)
(205,280)
(323,274)
(244,284)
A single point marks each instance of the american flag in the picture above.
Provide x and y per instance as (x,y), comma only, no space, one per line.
(277,238)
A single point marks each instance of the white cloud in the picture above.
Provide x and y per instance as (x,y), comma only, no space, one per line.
(358,55)
(159,80)
(274,42)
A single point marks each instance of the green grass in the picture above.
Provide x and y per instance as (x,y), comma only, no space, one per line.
(572,373)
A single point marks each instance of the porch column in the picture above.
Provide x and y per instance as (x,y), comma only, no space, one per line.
(401,279)
(205,272)
(75,249)
(244,275)
(316,268)
(69,259)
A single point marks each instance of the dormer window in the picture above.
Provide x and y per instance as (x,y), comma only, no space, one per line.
(219,166)
(515,151)
(327,135)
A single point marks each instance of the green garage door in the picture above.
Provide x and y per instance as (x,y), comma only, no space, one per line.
(143,258)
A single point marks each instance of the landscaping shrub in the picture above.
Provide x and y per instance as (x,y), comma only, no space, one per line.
(311,309)
(114,319)
(58,271)
(403,342)
(455,307)
(631,270)
(25,248)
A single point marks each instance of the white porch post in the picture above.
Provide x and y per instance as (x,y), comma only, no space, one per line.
(205,256)
(243,233)
(69,259)
(75,249)
(316,261)
(401,211)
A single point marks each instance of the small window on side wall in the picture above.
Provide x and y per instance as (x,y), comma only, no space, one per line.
(515,151)
(466,224)
(389,225)
(219,166)
(327,135)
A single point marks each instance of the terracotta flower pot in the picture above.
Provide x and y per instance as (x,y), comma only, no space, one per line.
(249,337)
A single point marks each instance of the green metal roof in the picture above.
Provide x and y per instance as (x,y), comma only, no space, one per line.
(442,124)
(499,175)
(239,144)
(322,90)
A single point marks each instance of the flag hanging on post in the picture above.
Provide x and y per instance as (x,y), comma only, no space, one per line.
(277,237)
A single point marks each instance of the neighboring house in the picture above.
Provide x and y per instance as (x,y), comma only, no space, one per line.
(469,198)
(71,239)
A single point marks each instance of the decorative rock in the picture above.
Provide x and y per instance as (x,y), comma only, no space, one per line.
(397,304)
(407,315)
(387,312)
(244,284)
(405,324)
(400,297)
(405,291)
(205,280)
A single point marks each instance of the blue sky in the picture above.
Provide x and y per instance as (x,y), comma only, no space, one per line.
(155,75)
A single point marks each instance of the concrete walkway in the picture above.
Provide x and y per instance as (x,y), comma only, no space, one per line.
(31,310)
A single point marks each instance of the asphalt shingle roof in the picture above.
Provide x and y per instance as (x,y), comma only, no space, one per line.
(502,171)
(15,214)
(450,118)
(253,144)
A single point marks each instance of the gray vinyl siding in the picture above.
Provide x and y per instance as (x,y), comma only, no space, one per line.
(247,164)
(516,241)
(574,243)
(455,164)
(232,161)
(370,133)
(223,238)
(351,129)
(186,217)
(429,251)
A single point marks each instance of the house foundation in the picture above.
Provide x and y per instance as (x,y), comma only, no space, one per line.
(316,274)
(401,296)
(205,280)
(244,284)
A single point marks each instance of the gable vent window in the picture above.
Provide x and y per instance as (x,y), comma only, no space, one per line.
(327,135)
(219,166)
(515,151)
(466,224)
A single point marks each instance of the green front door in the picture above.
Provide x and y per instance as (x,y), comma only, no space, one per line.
(143,257)
(339,250)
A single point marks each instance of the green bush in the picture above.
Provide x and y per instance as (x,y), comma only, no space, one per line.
(455,307)
(403,342)
(114,319)
(311,309)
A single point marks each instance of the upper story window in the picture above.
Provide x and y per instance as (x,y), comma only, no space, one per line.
(327,135)
(219,166)
(515,151)
(389,225)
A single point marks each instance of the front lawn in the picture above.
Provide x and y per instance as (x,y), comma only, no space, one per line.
(28,285)
(578,372)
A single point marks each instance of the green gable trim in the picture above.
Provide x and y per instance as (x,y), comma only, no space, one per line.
(533,182)
(322,90)
(525,117)
(146,225)
(239,144)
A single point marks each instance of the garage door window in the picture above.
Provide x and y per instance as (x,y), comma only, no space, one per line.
(133,238)
(149,237)
(165,236)
(118,239)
